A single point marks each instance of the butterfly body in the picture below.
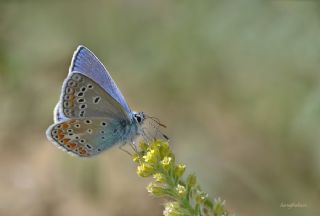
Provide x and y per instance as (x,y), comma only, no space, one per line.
(91,115)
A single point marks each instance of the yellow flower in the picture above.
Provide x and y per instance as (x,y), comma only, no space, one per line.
(164,149)
(166,162)
(201,197)
(159,177)
(172,209)
(135,158)
(155,145)
(145,170)
(181,190)
(151,156)
(143,146)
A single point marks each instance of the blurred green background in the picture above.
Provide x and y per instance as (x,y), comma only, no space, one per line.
(236,82)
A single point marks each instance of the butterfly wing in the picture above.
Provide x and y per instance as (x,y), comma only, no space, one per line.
(86,63)
(86,137)
(82,97)
(58,115)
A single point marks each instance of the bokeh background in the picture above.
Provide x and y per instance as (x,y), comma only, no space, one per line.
(237,84)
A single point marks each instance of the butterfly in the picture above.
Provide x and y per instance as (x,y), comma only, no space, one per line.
(92,114)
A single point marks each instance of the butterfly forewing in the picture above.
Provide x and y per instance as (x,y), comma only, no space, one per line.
(85,62)
(86,137)
(82,97)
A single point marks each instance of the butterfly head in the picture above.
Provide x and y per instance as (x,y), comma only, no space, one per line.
(139,117)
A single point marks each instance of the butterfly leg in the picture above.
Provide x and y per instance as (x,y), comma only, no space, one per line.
(134,146)
(145,136)
(124,150)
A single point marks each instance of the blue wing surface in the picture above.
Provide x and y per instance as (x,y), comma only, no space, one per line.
(85,62)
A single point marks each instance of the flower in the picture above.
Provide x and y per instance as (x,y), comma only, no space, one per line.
(201,196)
(135,158)
(145,170)
(143,146)
(172,209)
(164,149)
(166,162)
(159,177)
(157,160)
(181,190)
(151,156)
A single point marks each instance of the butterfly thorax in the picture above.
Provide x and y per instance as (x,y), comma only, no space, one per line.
(132,129)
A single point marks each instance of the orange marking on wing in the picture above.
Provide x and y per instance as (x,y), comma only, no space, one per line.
(72,121)
(65,125)
(82,152)
(65,141)
(60,136)
(71,98)
(72,145)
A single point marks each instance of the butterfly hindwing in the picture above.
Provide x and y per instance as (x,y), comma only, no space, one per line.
(85,62)
(82,97)
(86,137)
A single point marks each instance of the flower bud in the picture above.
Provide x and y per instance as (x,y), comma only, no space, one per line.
(156,190)
(179,170)
(191,180)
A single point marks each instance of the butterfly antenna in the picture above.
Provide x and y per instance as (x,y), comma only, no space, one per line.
(156,120)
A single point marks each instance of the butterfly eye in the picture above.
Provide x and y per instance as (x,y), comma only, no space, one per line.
(138,119)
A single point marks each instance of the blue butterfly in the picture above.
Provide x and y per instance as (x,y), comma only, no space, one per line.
(92,114)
